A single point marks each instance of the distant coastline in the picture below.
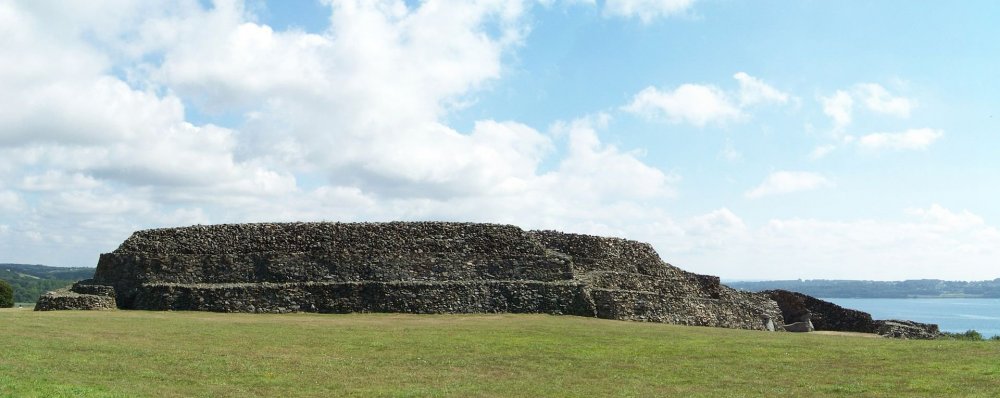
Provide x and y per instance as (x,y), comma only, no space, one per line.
(916,288)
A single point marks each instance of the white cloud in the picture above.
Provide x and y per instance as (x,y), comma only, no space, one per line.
(821,151)
(877,99)
(947,219)
(874,97)
(345,124)
(754,91)
(701,105)
(913,139)
(343,86)
(838,107)
(696,104)
(783,182)
(928,245)
(349,124)
(102,127)
(549,3)
(646,10)
(604,170)
(714,229)
(56,180)
(10,201)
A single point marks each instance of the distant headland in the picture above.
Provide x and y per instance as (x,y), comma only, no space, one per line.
(916,288)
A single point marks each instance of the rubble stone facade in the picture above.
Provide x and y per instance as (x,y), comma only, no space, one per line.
(415,267)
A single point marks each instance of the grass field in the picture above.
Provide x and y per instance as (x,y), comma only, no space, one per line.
(180,354)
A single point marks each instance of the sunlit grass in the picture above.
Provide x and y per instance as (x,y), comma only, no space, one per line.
(175,354)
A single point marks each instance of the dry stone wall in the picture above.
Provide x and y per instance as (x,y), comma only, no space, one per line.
(83,295)
(824,315)
(422,267)
(903,329)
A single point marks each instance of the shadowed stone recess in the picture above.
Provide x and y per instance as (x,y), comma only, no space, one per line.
(824,315)
(415,267)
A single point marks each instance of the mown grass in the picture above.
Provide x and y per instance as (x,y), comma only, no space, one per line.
(180,354)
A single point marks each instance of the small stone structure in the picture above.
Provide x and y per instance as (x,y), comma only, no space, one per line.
(82,295)
(902,329)
(415,267)
(825,315)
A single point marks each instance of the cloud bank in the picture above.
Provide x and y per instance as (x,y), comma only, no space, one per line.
(119,116)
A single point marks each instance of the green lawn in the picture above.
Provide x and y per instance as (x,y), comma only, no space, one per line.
(180,354)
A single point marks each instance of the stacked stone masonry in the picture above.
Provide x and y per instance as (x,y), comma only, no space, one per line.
(415,267)
(824,315)
(83,295)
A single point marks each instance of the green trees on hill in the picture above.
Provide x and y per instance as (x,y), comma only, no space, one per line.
(6,295)
(30,281)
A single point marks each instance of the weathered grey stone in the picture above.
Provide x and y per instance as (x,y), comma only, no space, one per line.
(88,287)
(901,329)
(800,327)
(825,315)
(421,267)
(768,323)
(65,299)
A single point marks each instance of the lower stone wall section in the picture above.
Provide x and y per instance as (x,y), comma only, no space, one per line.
(829,316)
(907,329)
(67,300)
(558,298)
(824,315)
(414,267)
(753,312)
(339,297)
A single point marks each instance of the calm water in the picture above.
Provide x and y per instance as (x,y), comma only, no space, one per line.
(951,315)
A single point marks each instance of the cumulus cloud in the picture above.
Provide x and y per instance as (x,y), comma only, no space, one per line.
(646,10)
(603,169)
(99,136)
(701,105)
(947,219)
(345,124)
(877,99)
(783,182)
(754,91)
(88,122)
(722,243)
(696,104)
(839,107)
(913,139)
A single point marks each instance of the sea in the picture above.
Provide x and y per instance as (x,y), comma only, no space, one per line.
(950,314)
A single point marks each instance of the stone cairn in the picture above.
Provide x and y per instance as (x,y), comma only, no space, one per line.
(83,295)
(411,267)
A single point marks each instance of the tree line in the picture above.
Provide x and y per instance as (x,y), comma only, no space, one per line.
(30,281)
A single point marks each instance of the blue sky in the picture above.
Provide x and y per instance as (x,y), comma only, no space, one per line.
(745,139)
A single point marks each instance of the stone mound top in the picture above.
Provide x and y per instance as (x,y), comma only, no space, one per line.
(375,238)
(418,267)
